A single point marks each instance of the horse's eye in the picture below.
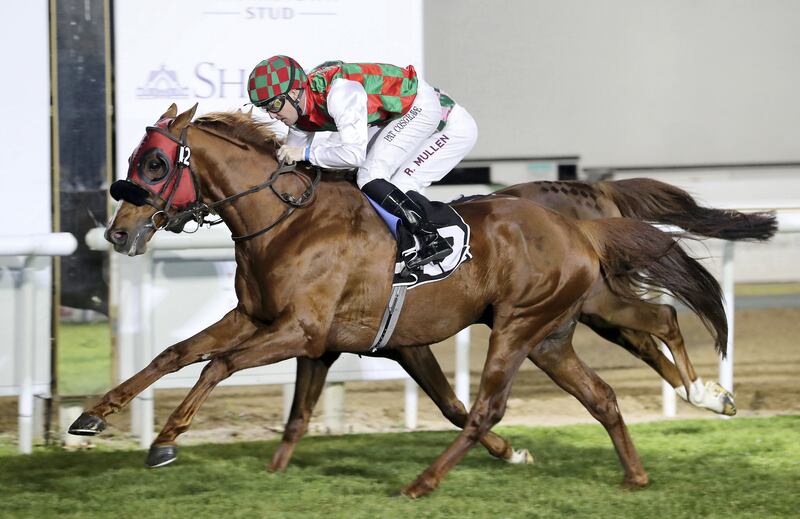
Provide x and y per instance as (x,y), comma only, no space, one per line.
(153,167)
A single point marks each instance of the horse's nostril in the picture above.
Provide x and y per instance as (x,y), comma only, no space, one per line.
(119,237)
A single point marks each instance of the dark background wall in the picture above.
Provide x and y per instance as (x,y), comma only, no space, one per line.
(82,171)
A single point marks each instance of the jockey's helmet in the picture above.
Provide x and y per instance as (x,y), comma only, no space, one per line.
(273,77)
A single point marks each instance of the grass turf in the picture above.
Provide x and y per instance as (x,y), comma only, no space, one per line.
(84,358)
(746,467)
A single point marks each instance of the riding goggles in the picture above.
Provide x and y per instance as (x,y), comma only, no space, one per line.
(275,104)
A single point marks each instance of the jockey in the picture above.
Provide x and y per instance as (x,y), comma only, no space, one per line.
(398,131)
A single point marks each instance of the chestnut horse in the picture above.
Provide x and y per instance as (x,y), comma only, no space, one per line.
(318,281)
(634,325)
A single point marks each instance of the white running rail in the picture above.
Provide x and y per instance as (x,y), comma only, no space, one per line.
(29,247)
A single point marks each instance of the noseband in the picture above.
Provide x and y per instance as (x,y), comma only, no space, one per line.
(135,191)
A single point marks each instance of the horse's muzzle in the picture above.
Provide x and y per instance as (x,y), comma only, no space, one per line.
(116,237)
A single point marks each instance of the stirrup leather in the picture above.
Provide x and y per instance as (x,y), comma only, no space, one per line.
(432,249)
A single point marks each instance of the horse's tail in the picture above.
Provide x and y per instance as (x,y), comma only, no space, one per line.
(653,201)
(636,257)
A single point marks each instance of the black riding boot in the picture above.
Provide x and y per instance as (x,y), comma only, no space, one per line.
(432,247)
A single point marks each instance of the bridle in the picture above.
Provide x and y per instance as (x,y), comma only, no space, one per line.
(166,193)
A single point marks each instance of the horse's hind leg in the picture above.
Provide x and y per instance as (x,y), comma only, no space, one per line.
(508,346)
(639,344)
(556,357)
(631,324)
(706,395)
(311,374)
(423,367)
(605,306)
(421,364)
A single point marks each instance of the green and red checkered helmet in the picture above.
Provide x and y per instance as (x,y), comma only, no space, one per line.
(273,77)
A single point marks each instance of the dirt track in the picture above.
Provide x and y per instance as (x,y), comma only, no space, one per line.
(767,381)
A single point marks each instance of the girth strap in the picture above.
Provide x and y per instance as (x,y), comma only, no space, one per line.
(390,317)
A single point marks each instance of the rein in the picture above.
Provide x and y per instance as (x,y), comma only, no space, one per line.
(292,202)
(198,211)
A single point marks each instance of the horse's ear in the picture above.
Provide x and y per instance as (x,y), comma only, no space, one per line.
(170,113)
(183,120)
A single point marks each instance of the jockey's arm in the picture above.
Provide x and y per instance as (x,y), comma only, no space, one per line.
(347,105)
(297,138)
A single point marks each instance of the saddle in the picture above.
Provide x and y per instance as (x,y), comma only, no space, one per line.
(449,225)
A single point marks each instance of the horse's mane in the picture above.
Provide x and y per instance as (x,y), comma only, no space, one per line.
(241,126)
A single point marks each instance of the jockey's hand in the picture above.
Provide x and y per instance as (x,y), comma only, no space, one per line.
(291,154)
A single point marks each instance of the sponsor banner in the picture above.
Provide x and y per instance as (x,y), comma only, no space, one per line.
(188,51)
(26,179)
(25,132)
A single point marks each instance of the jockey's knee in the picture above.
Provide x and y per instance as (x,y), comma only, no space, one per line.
(372,169)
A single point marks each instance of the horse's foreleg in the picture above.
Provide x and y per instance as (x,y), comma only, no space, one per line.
(224,334)
(423,367)
(310,380)
(558,359)
(311,374)
(163,450)
(284,339)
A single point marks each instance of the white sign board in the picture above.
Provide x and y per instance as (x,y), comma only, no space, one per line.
(188,51)
(25,174)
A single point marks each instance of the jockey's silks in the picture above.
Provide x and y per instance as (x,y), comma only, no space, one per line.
(390,92)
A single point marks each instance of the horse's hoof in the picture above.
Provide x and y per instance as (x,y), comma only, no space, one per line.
(280,460)
(418,488)
(729,408)
(87,425)
(161,455)
(635,483)
(275,467)
(520,457)
(720,400)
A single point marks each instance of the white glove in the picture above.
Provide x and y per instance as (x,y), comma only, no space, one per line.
(291,154)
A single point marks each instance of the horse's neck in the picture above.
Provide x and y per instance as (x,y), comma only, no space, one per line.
(228,175)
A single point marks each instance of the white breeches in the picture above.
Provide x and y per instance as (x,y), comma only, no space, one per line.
(410,153)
